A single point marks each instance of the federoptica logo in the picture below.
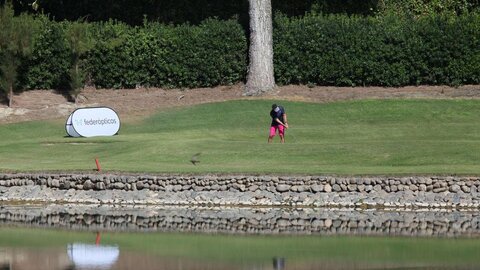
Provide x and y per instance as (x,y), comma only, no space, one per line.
(101,122)
(90,122)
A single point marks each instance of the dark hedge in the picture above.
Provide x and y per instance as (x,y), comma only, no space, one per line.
(383,51)
(314,49)
(213,53)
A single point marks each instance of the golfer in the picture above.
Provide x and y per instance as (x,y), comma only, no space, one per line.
(279,122)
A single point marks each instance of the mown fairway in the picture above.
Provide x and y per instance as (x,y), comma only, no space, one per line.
(359,137)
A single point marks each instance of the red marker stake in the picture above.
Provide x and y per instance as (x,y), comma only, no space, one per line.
(97,239)
(98,164)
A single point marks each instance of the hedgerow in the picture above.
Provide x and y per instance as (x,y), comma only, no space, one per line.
(384,51)
(314,49)
(210,54)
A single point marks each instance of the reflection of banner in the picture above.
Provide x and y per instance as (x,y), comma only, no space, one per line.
(92,256)
(90,122)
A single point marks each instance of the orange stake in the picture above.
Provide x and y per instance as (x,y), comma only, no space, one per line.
(98,164)
(97,239)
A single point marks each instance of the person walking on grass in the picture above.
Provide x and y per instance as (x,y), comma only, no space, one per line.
(279,122)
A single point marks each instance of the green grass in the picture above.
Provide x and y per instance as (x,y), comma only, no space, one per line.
(437,251)
(358,137)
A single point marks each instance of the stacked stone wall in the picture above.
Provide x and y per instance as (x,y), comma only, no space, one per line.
(412,191)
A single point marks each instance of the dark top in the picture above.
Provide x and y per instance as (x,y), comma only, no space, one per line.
(277,114)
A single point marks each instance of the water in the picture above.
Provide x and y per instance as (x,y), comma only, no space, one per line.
(142,238)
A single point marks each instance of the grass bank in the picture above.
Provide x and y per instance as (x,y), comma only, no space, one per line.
(355,137)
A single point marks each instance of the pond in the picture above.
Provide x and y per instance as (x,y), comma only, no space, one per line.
(148,237)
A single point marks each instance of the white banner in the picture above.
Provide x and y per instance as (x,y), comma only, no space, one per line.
(90,122)
(69,128)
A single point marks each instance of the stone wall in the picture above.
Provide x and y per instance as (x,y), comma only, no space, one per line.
(318,191)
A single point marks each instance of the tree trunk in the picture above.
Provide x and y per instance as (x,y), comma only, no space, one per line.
(260,76)
(10,96)
(75,90)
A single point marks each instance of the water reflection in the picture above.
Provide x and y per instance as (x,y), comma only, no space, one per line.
(216,238)
(57,259)
(446,223)
(85,256)
(278,263)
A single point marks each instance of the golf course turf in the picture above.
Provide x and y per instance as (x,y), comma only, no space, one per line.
(350,137)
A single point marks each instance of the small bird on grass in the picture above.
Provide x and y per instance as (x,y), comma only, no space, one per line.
(194,159)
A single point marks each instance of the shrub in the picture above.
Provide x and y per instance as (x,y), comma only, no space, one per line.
(106,63)
(48,65)
(80,42)
(385,51)
(210,54)
(15,44)
(314,49)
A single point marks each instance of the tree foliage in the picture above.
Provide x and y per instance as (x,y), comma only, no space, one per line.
(418,8)
(428,43)
(15,44)
(47,66)
(80,42)
(193,12)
